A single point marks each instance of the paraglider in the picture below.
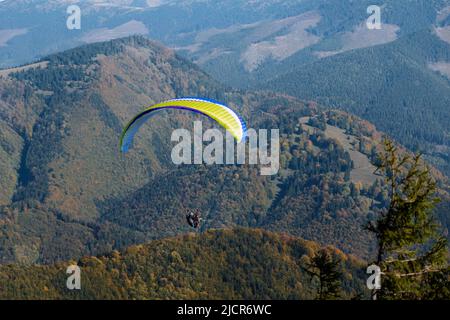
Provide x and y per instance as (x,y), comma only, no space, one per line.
(222,114)
(193,219)
(226,117)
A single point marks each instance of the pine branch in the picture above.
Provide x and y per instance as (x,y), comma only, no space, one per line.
(413,274)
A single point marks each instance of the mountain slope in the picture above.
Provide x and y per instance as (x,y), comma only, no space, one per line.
(60,126)
(391,85)
(247,54)
(226,264)
(74,194)
(83,97)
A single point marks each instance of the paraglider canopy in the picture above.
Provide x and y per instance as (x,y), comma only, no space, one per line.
(226,117)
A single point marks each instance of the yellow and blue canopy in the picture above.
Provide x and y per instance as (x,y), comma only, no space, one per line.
(226,117)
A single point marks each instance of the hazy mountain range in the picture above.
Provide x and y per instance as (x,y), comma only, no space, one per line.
(249,38)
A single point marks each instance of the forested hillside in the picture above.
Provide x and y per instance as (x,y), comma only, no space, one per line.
(304,32)
(225,264)
(391,86)
(72,193)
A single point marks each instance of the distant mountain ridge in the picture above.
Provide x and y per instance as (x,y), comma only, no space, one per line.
(232,35)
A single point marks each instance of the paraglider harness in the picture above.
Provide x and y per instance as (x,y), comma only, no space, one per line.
(193,219)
